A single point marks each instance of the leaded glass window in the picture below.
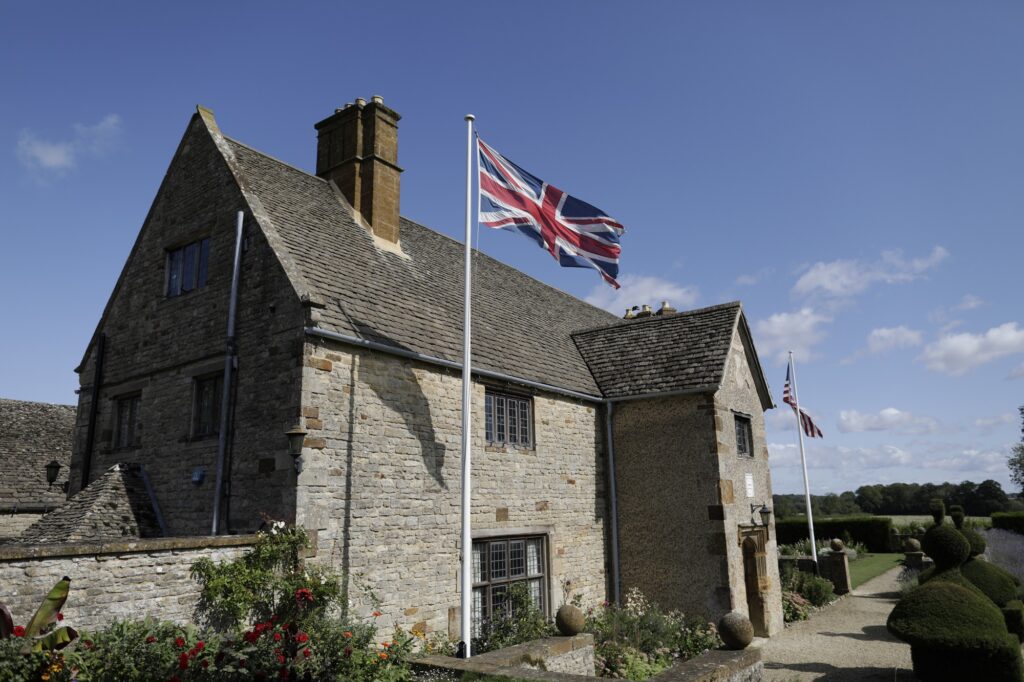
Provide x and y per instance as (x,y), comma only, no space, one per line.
(507,420)
(500,563)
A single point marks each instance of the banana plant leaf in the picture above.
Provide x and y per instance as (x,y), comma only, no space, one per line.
(58,639)
(47,612)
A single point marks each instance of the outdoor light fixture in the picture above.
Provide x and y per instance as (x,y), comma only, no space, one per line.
(52,471)
(296,437)
(763,510)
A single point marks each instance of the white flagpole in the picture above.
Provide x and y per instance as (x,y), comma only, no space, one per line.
(467,385)
(803,461)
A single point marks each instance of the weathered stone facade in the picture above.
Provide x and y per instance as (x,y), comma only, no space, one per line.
(111,581)
(157,346)
(381,480)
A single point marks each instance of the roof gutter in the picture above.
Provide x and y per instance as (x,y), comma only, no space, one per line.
(433,360)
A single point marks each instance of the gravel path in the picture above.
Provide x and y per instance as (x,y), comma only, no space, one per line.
(845,641)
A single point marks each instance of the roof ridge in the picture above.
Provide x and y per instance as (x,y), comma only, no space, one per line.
(633,322)
(37,402)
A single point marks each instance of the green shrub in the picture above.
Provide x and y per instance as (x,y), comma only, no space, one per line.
(873,531)
(937,508)
(816,590)
(996,583)
(946,546)
(1012,521)
(956,512)
(639,637)
(520,622)
(794,607)
(955,633)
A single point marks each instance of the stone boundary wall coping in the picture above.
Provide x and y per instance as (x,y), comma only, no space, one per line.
(12,552)
(717,665)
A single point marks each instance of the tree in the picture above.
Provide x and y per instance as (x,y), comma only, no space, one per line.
(1016,462)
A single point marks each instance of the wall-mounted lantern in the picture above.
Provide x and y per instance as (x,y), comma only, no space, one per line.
(763,510)
(53,471)
(296,437)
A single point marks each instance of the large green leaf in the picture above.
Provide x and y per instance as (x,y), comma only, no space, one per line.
(47,612)
(58,639)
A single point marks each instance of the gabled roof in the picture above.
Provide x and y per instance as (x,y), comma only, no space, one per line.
(683,352)
(521,326)
(31,435)
(115,506)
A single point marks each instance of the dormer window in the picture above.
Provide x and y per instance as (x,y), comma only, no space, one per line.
(186,267)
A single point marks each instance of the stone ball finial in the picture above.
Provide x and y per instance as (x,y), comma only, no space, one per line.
(569,620)
(837,545)
(911,545)
(736,630)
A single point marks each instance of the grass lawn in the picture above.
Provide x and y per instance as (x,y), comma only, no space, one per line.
(868,566)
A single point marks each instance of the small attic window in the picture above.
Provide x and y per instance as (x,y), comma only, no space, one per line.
(187,267)
(744,436)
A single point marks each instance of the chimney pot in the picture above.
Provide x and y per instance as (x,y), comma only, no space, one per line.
(628,315)
(666,309)
(360,102)
(645,311)
(377,99)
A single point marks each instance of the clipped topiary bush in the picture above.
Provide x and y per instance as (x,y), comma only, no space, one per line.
(947,547)
(937,508)
(975,540)
(996,583)
(956,512)
(1013,613)
(955,633)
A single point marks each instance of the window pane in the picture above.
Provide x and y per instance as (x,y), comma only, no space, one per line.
(517,559)
(478,564)
(513,421)
(524,422)
(533,560)
(188,267)
(134,423)
(499,601)
(499,408)
(489,418)
(478,610)
(499,560)
(204,257)
(174,273)
(537,594)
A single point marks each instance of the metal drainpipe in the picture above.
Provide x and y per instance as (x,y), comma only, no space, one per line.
(94,405)
(614,494)
(229,366)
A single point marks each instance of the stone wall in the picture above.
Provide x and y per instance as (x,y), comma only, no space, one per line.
(157,346)
(114,580)
(381,483)
(738,394)
(667,474)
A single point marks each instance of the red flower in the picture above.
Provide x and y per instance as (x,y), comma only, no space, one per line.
(376,614)
(200,645)
(205,664)
(60,616)
(251,637)
(302,638)
(306,652)
(277,636)
(280,659)
(382,655)
(348,651)
(304,594)
(19,631)
(180,643)
(150,639)
(183,661)
(347,634)
(88,643)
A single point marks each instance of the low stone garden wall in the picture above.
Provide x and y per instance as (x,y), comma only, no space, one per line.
(112,580)
(571,659)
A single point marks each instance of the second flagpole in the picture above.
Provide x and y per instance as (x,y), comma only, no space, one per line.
(467,388)
(803,462)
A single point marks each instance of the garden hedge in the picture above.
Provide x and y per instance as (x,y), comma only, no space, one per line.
(873,531)
(1012,521)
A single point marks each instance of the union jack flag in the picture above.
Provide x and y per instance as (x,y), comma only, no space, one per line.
(811,429)
(575,233)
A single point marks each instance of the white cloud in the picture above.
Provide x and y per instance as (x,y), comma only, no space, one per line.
(842,278)
(641,289)
(978,462)
(799,332)
(57,157)
(969,302)
(888,419)
(999,420)
(891,338)
(752,279)
(956,354)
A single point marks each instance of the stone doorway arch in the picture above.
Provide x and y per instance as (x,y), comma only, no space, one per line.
(755,577)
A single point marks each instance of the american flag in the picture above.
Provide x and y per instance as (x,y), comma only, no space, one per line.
(575,233)
(811,429)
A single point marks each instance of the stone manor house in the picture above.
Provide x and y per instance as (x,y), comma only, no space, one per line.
(608,453)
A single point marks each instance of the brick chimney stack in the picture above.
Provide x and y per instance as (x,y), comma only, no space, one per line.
(357,149)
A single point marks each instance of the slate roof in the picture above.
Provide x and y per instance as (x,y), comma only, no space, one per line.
(682,352)
(31,435)
(521,327)
(113,507)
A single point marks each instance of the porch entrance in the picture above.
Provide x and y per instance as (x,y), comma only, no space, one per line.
(755,576)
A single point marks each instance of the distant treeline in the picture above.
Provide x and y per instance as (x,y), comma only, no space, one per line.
(977,499)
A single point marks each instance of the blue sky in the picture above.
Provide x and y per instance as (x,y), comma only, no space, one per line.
(851,171)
